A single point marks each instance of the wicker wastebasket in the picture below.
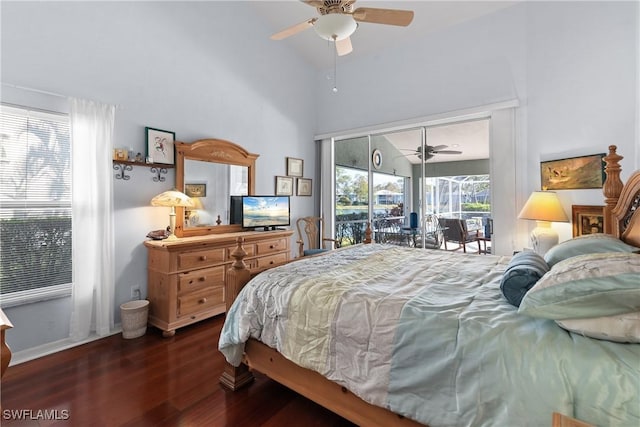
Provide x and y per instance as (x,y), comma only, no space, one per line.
(134,316)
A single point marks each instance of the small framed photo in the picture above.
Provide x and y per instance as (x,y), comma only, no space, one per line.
(304,187)
(195,190)
(160,146)
(294,167)
(284,186)
(587,219)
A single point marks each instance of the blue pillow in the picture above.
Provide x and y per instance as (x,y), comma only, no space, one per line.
(523,271)
(589,244)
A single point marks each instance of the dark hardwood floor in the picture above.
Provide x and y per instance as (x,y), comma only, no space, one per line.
(148,381)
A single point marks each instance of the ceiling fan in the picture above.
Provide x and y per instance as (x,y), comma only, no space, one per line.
(431,151)
(338,21)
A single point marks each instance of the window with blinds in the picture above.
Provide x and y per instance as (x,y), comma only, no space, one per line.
(35,205)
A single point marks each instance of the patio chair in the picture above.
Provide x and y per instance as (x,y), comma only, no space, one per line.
(455,230)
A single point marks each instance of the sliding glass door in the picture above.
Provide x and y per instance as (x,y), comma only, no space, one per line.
(384,178)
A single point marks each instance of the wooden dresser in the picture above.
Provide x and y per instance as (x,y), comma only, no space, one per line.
(186,277)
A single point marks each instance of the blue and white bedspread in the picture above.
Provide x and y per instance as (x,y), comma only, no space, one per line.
(427,334)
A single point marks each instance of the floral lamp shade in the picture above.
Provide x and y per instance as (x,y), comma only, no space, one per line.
(172,198)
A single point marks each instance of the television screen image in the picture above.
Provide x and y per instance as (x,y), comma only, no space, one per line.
(265,211)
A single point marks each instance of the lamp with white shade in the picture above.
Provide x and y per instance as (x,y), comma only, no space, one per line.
(544,207)
(172,198)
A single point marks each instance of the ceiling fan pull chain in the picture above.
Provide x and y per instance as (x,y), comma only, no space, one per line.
(335,67)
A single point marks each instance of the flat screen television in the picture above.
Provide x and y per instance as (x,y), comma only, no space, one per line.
(235,216)
(266,212)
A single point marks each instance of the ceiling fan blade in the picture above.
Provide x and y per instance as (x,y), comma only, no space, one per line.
(438,147)
(383,16)
(295,29)
(343,47)
(447,152)
(314,3)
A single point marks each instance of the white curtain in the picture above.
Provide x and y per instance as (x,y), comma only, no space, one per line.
(93,246)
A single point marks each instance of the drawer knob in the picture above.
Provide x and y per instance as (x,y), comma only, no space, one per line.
(202,279)
(270,262)
(272,246)
(202,301)
(203,258)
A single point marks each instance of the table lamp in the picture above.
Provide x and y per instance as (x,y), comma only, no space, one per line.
(172,198)
(543,207)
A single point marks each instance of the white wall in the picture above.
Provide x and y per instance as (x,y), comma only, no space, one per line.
(202,69)
(582,88)
(572,65)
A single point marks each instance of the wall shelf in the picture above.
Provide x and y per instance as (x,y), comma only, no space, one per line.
(158,170)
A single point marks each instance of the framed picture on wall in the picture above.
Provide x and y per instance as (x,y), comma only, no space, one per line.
(573,173)
(160,145)
(195,190)
(294,166)
(284,186)
(587,219)
(304,186)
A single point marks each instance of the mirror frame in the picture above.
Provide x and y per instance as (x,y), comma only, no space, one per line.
(214,151)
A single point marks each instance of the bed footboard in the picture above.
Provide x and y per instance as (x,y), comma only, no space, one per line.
(315,387)
(239,275)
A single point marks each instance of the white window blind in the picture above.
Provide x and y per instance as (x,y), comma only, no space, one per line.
(35,204)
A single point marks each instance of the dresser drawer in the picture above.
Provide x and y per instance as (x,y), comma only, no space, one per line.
(270,246)
(200,259)
(268,261)
(203,299)
(198,279)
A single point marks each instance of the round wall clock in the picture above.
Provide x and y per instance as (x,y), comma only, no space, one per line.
(376,158)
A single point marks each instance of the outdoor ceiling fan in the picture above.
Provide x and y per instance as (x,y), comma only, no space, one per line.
(431,151)
(338,21)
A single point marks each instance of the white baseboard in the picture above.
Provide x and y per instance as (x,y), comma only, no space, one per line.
(54,347)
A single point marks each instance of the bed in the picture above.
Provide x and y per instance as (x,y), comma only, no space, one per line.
(386,335)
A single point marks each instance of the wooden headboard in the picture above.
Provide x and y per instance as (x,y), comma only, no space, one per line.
(622,202)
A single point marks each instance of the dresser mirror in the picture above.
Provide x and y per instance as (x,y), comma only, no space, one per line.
(211,171)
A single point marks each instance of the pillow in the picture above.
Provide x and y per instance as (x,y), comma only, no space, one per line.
(588,244)
(586,286)
(619,328)
(523,271)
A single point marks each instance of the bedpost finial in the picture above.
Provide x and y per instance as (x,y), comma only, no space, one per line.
(238,254)
(612,186)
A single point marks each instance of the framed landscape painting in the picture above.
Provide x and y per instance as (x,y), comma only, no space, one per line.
(573,173)
(195,190)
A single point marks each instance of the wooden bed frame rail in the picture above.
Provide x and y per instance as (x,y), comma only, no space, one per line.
(621,219)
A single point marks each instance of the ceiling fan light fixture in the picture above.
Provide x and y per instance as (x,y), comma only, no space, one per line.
(335,26)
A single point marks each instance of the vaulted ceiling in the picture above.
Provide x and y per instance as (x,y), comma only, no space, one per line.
(429,17)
